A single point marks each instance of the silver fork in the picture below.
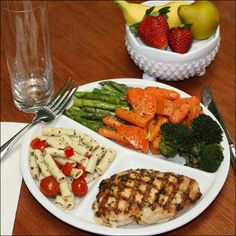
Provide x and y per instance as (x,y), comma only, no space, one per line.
(46,114)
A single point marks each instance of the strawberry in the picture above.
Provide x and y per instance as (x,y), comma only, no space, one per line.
(153,29)
(180,39)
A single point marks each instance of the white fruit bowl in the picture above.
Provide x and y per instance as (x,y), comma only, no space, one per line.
(170,66)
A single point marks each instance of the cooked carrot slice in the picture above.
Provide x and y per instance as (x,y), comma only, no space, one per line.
(155,151)
(164,106)
(131,117)
(191,101)
(112,134)
(156,142)
(180,113)
(154,129)
(111,122)
(163,93)
(142,102)
(136,136)
(194,112)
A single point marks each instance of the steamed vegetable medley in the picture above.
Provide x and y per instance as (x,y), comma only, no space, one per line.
(151,119)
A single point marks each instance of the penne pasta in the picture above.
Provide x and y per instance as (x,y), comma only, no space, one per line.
(55,152)
(34,168)
(65,190)
(75,144)
(76,173)
(79,159)
(91,177)
(96,155)
(85,139)
(54,170)
(39,159)
(69,203)
(63,161)
(105,161)
(65,139)
(59,201)
(55,142)
(49,131)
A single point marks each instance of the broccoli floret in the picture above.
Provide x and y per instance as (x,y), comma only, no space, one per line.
(211,157)
(199,145)
(175,138)
(167,150)
(206,130)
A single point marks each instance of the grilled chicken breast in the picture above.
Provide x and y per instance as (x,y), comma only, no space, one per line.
(143,196)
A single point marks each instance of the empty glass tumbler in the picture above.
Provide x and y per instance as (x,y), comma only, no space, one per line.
(24,26)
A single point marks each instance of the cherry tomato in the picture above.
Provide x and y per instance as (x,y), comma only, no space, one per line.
(67,168)
(69,151)
(58,164)
(79,187)
(38,144)
(49,186)
(81,167)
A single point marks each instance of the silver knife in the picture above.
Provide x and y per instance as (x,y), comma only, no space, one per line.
(208,101)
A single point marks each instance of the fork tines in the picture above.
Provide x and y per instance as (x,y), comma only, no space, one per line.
(62,97)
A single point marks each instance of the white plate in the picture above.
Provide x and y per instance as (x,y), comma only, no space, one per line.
(82,216)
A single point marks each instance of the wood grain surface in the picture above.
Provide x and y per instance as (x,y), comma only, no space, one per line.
(88,44)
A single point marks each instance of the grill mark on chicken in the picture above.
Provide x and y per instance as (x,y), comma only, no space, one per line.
(133,195)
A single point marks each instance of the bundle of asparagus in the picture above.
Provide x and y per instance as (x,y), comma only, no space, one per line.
(89,108)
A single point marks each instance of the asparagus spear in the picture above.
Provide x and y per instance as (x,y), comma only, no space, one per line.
(80,102)
(110,88)
(122,88)
(96,110)
(91,124)
(97,96)
(77,112)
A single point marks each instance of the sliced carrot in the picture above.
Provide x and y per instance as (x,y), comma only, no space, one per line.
(191,101)
(180,113)
(164,106)
(136,136)
(154,130)
(156,142)
(131,117)
(150,127)
(142,102)
(194,112)
(111,122)
(163,93)
(112,134)
(155,151)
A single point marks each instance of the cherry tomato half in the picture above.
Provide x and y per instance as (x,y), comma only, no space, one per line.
(38,144)
(67,168)
(69,151)
(81,167)
(49,186)
(79,187)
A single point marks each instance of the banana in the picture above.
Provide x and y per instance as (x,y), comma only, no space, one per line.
(134,12)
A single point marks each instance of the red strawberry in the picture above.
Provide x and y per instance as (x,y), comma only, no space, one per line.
(153,29)
(180,39)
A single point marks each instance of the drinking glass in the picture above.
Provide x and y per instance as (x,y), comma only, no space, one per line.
(24,26)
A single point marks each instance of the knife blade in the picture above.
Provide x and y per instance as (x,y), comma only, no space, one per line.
(208,101)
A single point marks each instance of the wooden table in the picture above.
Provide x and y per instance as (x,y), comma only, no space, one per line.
(88,44)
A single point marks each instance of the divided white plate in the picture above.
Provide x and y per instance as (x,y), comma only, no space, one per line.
(82,216)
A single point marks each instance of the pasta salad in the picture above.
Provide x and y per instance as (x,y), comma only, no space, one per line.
(64,161)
